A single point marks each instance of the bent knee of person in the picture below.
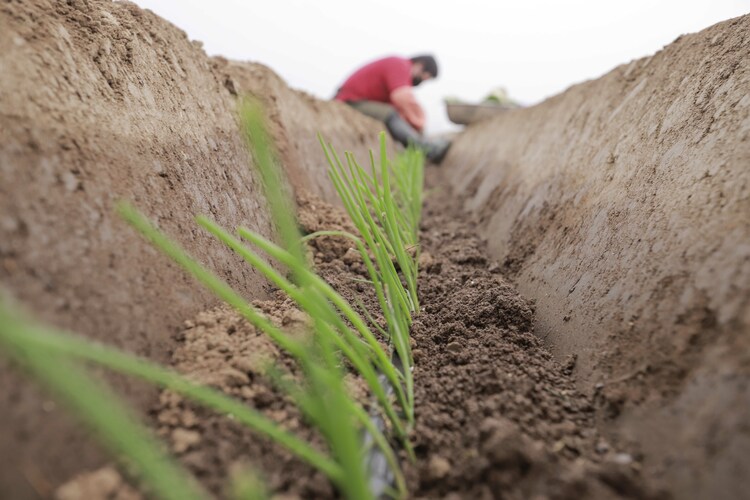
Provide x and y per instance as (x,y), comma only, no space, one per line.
(380,111)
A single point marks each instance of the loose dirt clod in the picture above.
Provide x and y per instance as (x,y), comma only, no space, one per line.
(102,484)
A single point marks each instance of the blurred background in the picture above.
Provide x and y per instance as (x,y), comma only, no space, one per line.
(534,48)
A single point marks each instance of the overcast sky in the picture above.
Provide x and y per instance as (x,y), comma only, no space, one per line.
(534,48)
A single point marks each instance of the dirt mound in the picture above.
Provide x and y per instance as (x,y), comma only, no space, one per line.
(622,206)
(101,101)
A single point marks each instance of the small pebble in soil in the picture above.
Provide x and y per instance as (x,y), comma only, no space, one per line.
(454,347)
(439,467)
(183,439)
(623,459)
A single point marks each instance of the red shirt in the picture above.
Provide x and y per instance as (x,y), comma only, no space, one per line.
(376,80)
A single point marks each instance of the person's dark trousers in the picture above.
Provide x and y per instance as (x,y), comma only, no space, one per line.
(401,130)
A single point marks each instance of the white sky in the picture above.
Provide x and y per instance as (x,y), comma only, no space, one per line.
(534,48)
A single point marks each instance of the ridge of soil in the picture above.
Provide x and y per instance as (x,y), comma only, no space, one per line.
(622,205)
(103,101)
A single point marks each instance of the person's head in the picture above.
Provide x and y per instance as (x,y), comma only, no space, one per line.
(423,68)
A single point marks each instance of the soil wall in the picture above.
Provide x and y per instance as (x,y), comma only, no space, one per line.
(622,206)
(102,101)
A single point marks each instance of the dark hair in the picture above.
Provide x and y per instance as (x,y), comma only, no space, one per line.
(428,63)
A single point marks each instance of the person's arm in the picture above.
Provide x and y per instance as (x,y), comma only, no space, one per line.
(406,104)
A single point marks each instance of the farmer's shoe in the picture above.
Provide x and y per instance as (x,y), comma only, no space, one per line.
(402,131)
(436,149)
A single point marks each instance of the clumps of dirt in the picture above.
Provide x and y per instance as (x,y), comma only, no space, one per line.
(335,257)
(221,349)
(105,483)
(496,415)
(316,215)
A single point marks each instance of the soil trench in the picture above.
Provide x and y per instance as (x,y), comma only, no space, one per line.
(618,209)
(496,415)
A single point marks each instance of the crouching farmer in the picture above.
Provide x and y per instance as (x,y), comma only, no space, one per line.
(383,90)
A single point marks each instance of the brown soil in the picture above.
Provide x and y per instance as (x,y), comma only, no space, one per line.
(618,209)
